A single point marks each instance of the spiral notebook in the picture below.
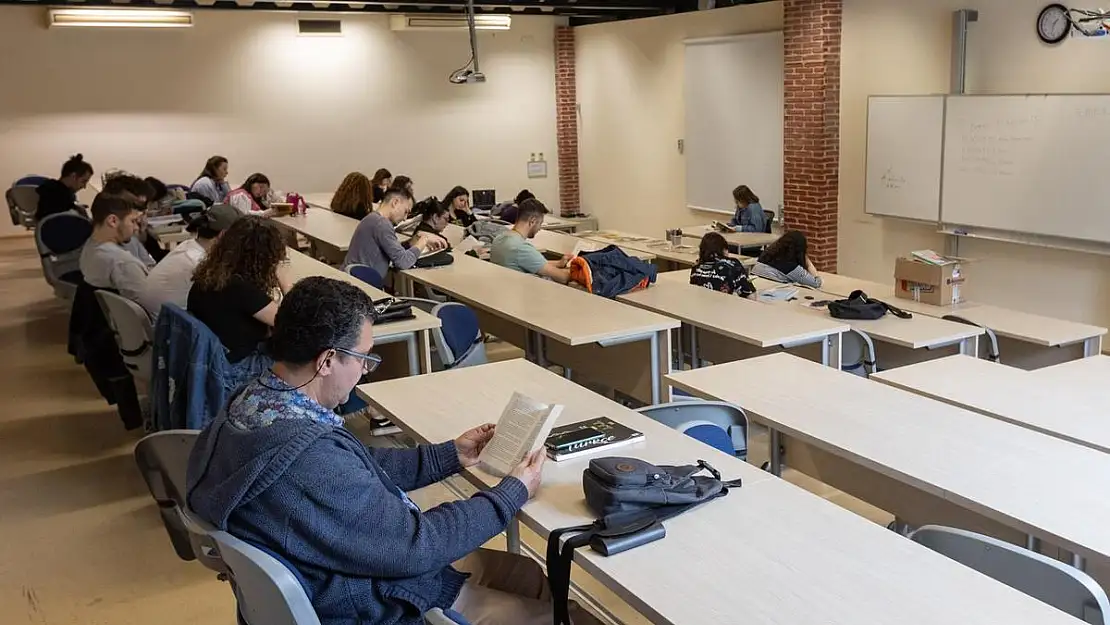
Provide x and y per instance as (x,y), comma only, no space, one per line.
(616,435)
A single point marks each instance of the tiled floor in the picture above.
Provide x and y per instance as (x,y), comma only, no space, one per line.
(81,539)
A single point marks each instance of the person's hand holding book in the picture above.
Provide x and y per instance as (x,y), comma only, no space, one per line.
(470,445)
(530,471)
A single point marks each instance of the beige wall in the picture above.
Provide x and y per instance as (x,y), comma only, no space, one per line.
(304,110)
(903,46)
(630,78)
(630,83)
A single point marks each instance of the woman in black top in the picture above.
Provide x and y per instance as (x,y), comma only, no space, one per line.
(382,180)
(59,196)
(458,202)
(717,270)
(434,216)
(233,289)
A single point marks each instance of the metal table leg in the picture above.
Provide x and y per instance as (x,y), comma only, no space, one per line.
(1092,346)
(776,453)
(970,346)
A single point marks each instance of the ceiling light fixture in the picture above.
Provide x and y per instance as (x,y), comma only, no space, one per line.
(119,18)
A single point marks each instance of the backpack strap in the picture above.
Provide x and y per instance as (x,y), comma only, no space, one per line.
(894,310)
(559,563)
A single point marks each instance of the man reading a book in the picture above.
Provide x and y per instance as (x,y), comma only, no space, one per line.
(278,469)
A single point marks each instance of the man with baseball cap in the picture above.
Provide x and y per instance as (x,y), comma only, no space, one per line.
(171,279)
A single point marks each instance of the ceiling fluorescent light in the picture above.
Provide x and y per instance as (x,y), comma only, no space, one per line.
(120,18)
(449,22)
(492,22)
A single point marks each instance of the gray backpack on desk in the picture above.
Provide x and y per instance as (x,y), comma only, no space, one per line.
(485,230)
(632,498)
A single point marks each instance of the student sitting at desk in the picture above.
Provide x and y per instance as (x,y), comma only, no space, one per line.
(374,242)
(279,470)
(507,212)
(382,180)
(105,263)
(512,248)
(59,196)
(172,277)
(458,201)
(211,185)
(354,197)
(145,244)
(717,270)
(749,215)
(785,260)
(233,290)
(253,198)
(434,216)
(403,183)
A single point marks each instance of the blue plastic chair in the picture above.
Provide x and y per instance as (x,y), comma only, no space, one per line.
(30,181)
(459,341)
(59,239)
(719,424)
(367,274)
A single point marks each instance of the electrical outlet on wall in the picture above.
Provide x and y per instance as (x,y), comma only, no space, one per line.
(681,146)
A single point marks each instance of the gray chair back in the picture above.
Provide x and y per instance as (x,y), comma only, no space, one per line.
(266,590)
(134,333)
(1064,587)
(201,538)
(682,415)
(162,458)
(26,201)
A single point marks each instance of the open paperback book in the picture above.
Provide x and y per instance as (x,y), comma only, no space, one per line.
(522,429)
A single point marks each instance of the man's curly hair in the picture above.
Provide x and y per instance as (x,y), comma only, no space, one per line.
(316,315)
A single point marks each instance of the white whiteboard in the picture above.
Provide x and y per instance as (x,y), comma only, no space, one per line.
(1034,164)
(904,156)
(734,119)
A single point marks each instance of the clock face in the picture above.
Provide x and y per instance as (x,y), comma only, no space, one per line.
(1053,23)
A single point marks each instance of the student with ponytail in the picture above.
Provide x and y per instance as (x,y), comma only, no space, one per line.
(59,196)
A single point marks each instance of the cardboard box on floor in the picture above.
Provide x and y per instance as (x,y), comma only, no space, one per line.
(939,285)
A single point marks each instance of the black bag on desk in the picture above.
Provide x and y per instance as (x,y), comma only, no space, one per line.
(392,309)
(439,259)
(860,307)
(632,498)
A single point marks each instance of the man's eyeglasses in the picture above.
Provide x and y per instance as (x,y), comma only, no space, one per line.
(370,362)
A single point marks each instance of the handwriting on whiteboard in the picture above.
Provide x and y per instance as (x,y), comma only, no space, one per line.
(891,180)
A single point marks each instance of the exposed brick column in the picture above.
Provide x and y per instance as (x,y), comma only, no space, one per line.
(566,118)
(811,125)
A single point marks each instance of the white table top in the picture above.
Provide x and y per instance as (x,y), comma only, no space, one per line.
(562,243)
(319,200)
(302,266)
(1010,394)
(729,315)
(1018,477)
(565,314)
(1030,328)
(1092,372)
(743,239)
(917,333)
(322,225)
(767,554)
(682,254)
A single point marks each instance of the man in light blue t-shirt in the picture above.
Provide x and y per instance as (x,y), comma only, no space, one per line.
(511,248)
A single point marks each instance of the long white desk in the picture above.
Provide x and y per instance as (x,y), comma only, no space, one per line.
(323,226)
(767,554)
(562,243)
(918,333)
(412,332)
(547,310)
(736,318)
(1090,373)
(1019,326)
(1009,394)
(682,255)
(740,239)
(1041,486)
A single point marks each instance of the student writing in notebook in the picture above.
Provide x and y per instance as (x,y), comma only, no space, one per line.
(374,242)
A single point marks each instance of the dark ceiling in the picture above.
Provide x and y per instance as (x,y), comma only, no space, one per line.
(578,11)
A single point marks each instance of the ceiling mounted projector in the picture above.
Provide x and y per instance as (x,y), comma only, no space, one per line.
(467,77)
(469,74)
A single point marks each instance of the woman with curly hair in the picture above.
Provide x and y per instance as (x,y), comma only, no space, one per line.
(383,179)
(785,260)
(234,288)
(354,197)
